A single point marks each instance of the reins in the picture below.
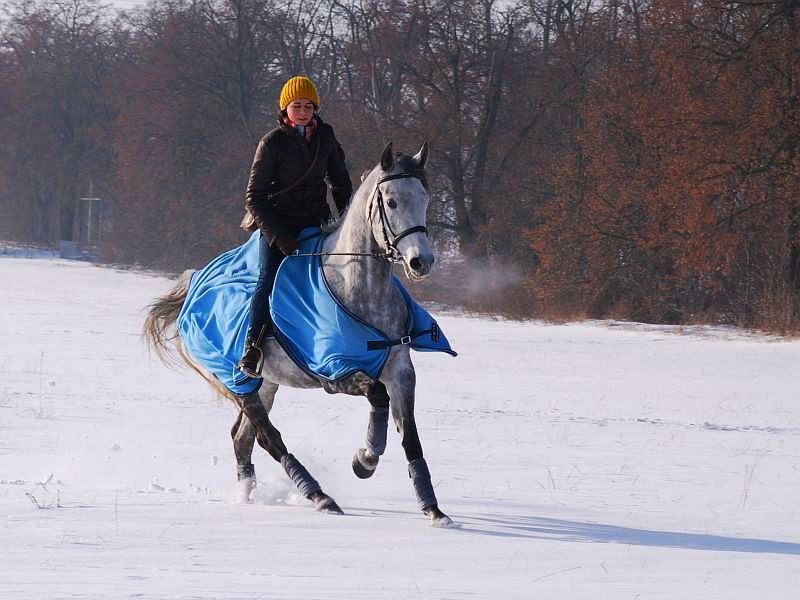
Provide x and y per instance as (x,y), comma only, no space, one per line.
(390,253)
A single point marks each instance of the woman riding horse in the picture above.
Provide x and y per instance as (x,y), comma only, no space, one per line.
(384,225)
(287,192)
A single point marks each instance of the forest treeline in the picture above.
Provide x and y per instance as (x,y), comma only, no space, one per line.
(634,159)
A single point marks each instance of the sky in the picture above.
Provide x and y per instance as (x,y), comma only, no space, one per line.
(122,4)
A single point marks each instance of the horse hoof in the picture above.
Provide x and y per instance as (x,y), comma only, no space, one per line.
(439,519)
(364,463)
(245,491)
(444,523)
(326,504)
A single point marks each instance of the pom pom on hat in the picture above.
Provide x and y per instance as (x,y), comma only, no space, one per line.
(298,87)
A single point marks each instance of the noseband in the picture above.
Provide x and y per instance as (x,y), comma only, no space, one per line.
(392,252)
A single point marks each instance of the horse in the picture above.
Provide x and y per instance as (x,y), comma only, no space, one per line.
(357,256)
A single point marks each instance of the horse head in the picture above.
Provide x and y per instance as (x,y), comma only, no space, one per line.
(398,215)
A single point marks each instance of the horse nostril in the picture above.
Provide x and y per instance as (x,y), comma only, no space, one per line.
(416,264)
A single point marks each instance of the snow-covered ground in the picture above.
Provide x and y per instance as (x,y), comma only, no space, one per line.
(600,460)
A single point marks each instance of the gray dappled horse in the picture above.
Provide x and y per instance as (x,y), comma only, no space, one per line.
(357,256)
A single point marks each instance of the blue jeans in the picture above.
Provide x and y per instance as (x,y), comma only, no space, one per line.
(269,259)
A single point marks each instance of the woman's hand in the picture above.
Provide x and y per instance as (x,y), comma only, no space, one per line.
(286,244)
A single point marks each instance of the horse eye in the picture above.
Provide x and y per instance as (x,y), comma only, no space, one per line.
(391,203)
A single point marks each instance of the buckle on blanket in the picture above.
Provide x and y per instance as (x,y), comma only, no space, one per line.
(384,344)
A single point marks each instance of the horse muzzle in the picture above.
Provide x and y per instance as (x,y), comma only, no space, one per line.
(418,267)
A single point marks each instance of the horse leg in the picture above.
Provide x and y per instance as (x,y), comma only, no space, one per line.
(244,437)
(269,438)
(365,460)
(401,391)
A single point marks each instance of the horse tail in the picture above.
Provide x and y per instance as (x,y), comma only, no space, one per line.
(160,331)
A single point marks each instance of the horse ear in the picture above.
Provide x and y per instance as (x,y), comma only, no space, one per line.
(422,156)
(364,175)
(387,160)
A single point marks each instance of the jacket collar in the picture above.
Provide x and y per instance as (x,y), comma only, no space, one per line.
(291,131)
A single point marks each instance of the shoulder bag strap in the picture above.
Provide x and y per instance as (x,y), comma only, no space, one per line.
(302,177)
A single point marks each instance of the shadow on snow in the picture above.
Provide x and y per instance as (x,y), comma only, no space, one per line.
(575,531)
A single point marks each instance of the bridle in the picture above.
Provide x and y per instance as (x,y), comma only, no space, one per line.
(391,252)
(390,238)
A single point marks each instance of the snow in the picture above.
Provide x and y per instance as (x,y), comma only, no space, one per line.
(596,460)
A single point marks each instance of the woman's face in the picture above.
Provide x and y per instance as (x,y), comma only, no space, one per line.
(300,110)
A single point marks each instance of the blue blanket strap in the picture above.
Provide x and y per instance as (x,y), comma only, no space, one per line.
(405,340)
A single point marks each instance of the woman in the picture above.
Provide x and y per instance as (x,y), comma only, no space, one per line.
(287,191)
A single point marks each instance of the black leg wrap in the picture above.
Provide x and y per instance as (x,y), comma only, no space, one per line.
(301,477)
(421,478)
(376,430)
(247,471)
(364,464)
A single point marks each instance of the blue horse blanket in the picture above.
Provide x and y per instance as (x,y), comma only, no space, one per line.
(316,331)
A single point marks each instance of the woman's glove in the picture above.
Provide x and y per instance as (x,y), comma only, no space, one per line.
(286,244)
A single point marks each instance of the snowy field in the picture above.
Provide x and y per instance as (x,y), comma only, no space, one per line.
(599,460)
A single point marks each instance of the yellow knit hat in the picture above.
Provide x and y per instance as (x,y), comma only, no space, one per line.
(298,87)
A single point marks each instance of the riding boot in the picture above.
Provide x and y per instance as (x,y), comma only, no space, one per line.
(253,357)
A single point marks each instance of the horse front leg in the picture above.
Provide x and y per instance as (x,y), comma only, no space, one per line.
(269,438)
(401,391)
(365,460)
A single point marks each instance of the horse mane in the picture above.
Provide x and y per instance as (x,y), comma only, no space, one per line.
(335,222)
(406,163)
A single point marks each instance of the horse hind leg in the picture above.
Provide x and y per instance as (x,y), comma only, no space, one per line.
(244,436)
(269,438)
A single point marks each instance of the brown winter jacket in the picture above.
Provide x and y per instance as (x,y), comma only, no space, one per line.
(282,157)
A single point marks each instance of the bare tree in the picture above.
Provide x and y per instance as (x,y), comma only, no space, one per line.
(62,52)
